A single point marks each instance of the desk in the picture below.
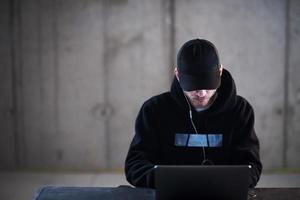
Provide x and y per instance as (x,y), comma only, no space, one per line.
(130,193)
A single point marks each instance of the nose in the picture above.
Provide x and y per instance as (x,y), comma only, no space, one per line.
(201,93)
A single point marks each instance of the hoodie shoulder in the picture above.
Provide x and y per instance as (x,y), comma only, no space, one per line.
(244,109)
(243,104)
(157,100)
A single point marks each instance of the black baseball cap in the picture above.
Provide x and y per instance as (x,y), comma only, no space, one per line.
(198,65)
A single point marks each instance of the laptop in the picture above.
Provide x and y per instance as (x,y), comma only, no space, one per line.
(210,182)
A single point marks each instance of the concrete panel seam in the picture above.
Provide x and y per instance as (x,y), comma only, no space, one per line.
(286,84)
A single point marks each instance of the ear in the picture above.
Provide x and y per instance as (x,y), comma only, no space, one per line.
(221,69)
(176,73)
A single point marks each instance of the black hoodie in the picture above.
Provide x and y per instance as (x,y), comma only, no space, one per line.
(164,116)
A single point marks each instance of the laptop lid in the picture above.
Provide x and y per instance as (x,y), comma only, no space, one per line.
(213,182)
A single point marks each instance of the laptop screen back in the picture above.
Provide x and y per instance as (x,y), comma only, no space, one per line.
(229,182)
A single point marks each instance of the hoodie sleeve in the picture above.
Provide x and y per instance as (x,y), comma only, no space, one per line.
(245,143)
(139,163)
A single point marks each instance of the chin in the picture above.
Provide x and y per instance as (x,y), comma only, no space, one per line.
(200,105)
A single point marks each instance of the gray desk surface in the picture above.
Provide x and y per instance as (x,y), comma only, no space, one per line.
(129,193)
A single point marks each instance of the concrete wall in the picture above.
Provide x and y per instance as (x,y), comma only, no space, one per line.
(292,133)
(7,140)
(83,69)
(76,73)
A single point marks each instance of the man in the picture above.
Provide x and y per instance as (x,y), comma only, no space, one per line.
(200,121)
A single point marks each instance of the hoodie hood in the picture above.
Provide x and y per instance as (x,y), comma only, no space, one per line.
(225,100)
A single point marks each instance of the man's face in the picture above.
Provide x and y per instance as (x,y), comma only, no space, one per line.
(200,98)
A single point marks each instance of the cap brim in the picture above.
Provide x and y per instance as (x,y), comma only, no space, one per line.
(205,81)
